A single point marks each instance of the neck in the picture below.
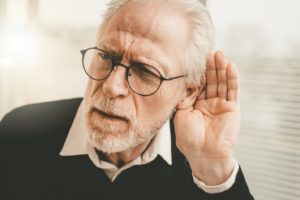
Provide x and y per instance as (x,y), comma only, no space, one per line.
(121,158)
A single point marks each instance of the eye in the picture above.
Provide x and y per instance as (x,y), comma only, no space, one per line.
(146,71)
(104,55)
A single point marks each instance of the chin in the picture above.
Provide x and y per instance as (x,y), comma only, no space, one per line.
(111,142)
(113,139)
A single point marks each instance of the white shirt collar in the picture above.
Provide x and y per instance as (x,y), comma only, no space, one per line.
(76,142)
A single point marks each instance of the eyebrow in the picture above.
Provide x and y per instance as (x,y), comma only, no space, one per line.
(107,48)
(111,49)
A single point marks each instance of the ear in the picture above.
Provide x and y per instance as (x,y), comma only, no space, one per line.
(192,91)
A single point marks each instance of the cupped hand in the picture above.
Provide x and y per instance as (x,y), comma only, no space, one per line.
(207,131)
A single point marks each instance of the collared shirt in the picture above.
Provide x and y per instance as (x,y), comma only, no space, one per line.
(77,144)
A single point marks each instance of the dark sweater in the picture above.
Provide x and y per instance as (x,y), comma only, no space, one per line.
(31,138)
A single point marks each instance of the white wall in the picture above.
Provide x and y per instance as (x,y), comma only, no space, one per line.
(41,61)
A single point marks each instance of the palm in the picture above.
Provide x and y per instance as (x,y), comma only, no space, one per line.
(220,121)
(211,126)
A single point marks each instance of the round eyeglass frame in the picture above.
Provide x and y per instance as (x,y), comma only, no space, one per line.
(127,68)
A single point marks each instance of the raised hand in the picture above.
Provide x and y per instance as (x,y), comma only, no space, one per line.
(206,132)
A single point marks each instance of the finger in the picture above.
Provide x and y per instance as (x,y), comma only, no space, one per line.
(211,77)
(221,65)
(233,83)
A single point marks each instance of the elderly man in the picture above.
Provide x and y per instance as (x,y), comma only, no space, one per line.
(159,118)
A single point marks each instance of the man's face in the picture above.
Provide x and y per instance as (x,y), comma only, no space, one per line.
(117,118)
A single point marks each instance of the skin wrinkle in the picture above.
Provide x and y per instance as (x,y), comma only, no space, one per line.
(146,58)
(159,13)
(128,141)
(139,33)
(200,32)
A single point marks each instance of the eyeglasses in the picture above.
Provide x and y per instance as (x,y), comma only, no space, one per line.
(143,79)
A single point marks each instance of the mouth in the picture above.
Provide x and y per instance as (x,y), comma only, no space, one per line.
(109,115)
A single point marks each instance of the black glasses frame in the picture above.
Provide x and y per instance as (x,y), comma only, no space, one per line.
(161,77)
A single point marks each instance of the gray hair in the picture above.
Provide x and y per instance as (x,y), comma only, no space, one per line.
(202,34)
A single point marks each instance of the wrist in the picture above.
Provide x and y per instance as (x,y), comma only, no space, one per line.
(213,172)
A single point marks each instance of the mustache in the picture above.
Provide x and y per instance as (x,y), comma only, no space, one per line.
(113,107)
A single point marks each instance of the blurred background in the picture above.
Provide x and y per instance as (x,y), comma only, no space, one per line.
(40,42)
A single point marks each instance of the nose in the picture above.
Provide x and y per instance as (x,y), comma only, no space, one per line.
(115,85)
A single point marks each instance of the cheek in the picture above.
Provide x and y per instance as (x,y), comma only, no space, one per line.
(93,87)
(156,107)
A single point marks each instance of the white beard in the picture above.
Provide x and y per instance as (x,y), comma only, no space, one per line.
(108,139)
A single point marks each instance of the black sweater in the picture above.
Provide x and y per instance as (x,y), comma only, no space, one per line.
(31,138)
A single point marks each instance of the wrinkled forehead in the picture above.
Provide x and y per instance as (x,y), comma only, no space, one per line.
(161,23)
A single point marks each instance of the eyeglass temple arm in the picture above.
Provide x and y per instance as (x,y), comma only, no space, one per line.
(172,78)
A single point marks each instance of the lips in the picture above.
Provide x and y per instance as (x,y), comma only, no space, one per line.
(109,115)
